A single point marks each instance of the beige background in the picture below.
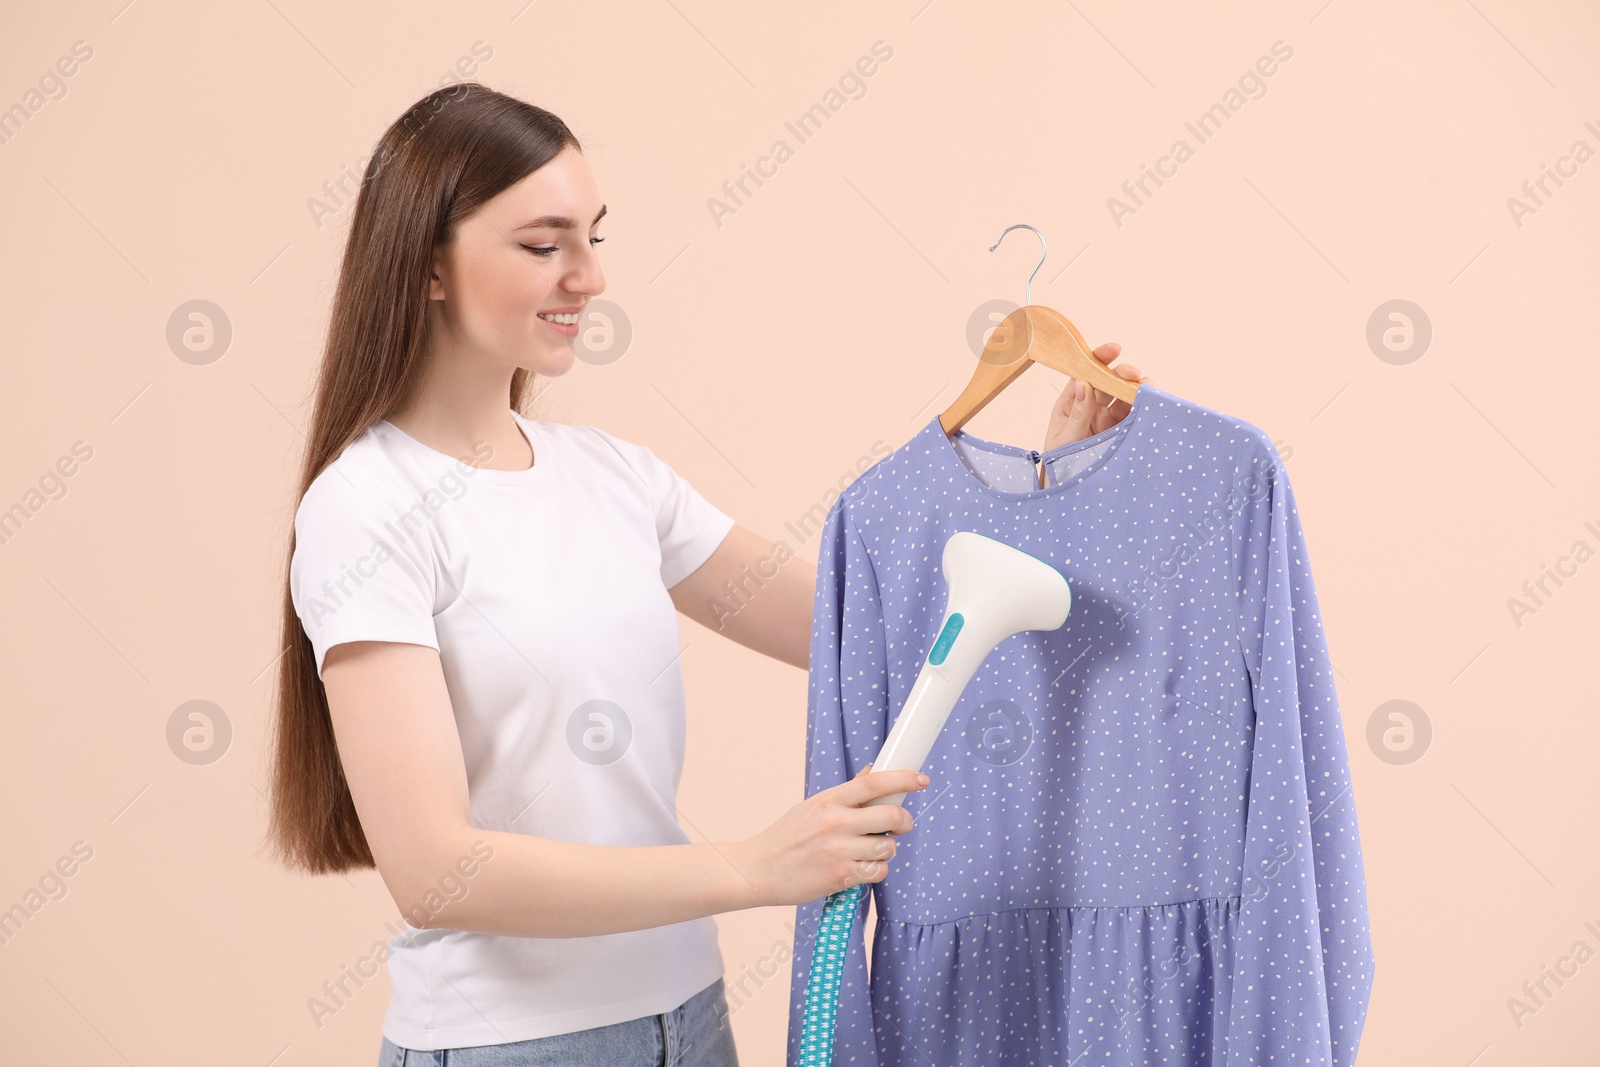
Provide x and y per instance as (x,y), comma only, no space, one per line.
(769,353)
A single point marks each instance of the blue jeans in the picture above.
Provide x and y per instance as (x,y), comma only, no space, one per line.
(694,1034)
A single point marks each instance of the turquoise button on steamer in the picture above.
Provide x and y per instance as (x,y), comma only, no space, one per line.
(947,637)
(994,591)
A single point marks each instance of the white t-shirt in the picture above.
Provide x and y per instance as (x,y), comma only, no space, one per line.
(545,592)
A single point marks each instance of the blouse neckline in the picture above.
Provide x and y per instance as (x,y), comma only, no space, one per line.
(1119,449)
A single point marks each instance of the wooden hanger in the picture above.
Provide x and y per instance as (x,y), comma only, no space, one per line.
(1031,334)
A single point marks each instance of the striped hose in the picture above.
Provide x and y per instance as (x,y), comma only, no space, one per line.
(827,970)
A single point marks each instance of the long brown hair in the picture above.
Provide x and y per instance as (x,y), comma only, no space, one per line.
(450,152)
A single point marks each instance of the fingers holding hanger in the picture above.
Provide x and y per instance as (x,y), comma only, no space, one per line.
(1132,374)
(1081,410)
(1071,417)
(1108,405)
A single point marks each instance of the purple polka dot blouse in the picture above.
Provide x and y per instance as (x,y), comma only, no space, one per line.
(1139,845)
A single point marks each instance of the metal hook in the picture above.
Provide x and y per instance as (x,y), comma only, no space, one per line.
(1043,251)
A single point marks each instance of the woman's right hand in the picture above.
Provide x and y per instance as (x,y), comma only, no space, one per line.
(829,841)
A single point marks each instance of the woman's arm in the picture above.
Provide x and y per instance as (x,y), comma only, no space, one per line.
(753,593)
(401,755)
(402,759)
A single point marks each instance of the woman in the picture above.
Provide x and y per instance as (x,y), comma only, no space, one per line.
(481,694)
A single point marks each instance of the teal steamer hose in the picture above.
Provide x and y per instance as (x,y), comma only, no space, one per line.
(993,591)
(827,968)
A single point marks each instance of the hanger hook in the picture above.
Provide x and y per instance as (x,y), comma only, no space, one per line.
(1043,251)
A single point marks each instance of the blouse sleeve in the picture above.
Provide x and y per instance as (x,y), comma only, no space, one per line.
(362,567)
(688,526)
(1304,965)
(846,722)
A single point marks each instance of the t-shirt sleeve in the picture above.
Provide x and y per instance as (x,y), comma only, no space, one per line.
(688,526)
(362,567)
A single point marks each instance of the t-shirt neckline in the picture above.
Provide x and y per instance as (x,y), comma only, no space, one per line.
(537,440)
(1119,449)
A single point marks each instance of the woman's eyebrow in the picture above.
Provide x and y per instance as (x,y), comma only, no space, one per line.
(559,222)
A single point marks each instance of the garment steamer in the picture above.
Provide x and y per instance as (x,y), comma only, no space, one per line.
(993,591)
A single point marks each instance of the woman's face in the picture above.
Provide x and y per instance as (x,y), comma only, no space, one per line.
(522,261)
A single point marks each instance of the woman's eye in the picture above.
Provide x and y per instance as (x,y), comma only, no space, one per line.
(545,250)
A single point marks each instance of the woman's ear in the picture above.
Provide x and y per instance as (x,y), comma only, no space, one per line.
(439,273)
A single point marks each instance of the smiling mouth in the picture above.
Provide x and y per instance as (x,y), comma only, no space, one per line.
(569,318)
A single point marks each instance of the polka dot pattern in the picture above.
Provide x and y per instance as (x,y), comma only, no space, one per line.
(1140,844)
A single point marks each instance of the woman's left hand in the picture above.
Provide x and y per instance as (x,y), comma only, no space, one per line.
(1082,411)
